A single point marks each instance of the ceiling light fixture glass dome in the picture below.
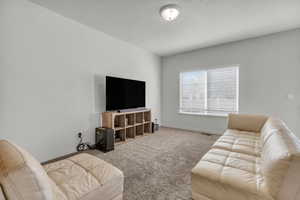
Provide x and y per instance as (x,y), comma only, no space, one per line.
(169,12)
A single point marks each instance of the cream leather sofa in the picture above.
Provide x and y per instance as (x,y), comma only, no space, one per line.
(257,158)
(82,176)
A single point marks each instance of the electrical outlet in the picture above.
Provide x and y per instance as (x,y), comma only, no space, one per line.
(85,134)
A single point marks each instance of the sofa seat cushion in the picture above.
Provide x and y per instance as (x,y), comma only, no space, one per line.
(237,141)
(79,176)
(226,175)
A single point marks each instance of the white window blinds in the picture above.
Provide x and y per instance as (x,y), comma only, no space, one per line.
(209,91)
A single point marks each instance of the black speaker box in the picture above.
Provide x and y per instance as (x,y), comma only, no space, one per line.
(105,139)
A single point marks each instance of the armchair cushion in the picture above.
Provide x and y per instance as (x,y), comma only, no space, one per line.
(84,176)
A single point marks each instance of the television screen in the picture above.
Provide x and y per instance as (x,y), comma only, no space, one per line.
(124,93)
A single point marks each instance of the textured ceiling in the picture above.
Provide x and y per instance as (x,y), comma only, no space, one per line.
(201,23)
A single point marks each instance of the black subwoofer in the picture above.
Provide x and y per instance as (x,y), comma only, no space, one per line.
(105,139)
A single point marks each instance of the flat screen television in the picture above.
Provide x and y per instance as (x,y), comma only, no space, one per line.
(124,93)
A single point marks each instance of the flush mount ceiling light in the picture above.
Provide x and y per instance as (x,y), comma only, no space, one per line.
(169,12)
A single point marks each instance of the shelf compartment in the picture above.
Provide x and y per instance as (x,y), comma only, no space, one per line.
(129,121)
(120,135)
(147,116)
(147,128)
(119,121)
(139,130)
(139,117)
(130,132)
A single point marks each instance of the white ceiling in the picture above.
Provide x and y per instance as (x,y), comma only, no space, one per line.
(201,23)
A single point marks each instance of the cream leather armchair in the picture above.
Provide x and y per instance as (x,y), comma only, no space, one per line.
(257,158)
(82,176)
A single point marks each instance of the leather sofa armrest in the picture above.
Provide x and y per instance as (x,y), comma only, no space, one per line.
(245,122)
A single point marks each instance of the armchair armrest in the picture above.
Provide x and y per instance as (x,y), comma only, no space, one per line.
(245,122)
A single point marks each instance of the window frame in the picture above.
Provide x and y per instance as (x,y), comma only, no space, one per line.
(207,112)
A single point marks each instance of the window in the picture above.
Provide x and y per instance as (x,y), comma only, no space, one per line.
(213,91)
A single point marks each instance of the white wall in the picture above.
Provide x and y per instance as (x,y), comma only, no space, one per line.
(52,73)
(269,71)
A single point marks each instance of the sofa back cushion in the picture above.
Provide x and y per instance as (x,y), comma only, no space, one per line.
(245,122)
(272,126)
(280,159)
(21,176)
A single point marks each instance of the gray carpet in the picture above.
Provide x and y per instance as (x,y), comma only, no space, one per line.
(157,166)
